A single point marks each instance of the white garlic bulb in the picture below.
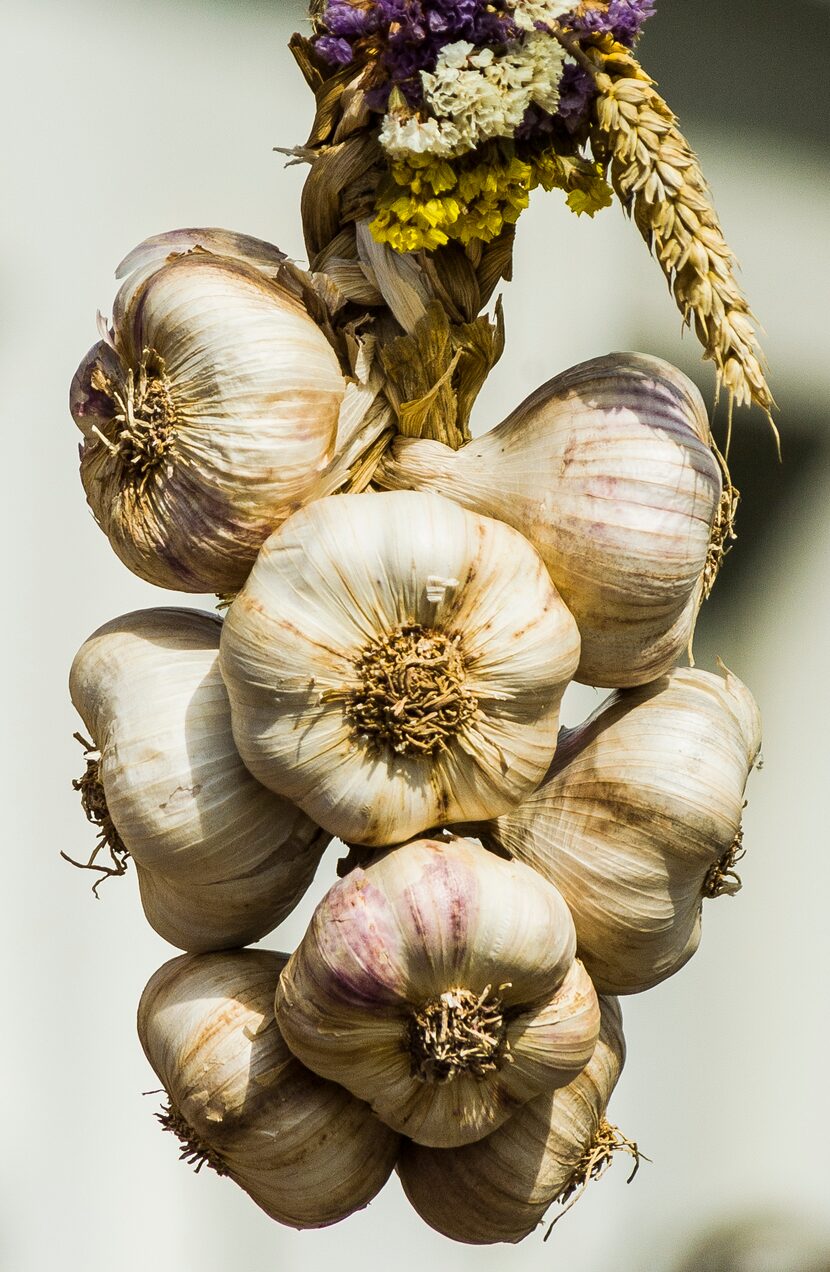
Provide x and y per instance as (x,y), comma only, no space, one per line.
(607,471)
(500,1188)
(208,412)
(305,1150)
(639,819)
(229,859)
(439,985)
(394,663)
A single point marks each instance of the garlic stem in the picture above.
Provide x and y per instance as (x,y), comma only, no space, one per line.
(412,698)
(459,1032)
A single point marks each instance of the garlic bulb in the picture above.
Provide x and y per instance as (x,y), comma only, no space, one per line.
(305,1150)
(500,1188)
(394,663)
(229,859)
(439,985)
(208,411)
(607,470)
(639,819)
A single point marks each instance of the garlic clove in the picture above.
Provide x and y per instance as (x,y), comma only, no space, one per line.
(500,1188)
(378,679)
(439,985)
(159,249)
(607,470)
(173,788)
(304,1150)
(208,412)
(639,819)
(230,913)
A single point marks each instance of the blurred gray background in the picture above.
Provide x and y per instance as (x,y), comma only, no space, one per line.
(121,120)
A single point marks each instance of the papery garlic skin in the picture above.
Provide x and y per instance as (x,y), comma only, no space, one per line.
(500,1188)
(440,929)
(303,1149)
(208,413)
(607,470)
(302,652)
(642,803)
(229,859)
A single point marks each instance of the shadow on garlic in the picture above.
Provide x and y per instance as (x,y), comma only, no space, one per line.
(303,1149)
(639,819)
(439,985)
(607,470)
(208,410)
(221,860)
(395,663)
(500,1188)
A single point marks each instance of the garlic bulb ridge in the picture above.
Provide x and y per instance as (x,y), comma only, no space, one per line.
(208,412)
(500,1188)
(638,821)
(305,1150)
(221,860)
(439,985)
(608,472)
(395,663)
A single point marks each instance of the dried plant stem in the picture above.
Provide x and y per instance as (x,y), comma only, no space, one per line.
(657,178)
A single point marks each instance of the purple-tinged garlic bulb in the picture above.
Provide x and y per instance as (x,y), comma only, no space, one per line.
(303,1149)
(395,663)
(500,1188)
(639,820)
(221,860)
(208,411)
(607,470)
(439,985)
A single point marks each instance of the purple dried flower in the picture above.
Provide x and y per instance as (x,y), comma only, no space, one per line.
(338,52)
(627,17)
(413,32)
(537,125)
(576,91)
(623,19)
(342,18)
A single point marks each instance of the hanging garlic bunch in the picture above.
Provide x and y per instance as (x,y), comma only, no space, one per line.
(208,411)
(499,1188)
(305,1150)
(439,984)
(221,861)
(394,663)
(607,470)
(639,819)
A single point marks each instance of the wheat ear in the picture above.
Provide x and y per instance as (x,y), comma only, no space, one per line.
(657,178)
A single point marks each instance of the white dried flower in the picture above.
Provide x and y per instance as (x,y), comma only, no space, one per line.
(527,13)
(402,136)
(485,96)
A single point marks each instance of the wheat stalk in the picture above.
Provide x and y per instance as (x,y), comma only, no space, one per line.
(657,178)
